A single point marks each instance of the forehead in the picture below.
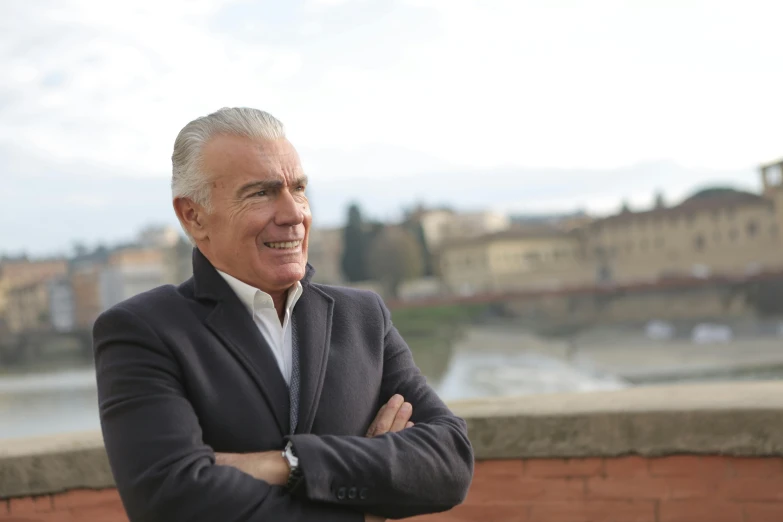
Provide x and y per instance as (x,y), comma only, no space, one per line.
(234,159)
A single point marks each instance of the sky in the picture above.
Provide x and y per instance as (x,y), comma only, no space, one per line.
(523,106)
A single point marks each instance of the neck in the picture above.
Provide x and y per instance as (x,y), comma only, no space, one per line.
(279,299)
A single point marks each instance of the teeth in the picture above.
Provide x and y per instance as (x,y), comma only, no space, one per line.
(284,244)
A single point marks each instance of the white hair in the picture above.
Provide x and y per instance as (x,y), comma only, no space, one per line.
(188,179)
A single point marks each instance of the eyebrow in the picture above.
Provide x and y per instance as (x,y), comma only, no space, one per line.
(270,184)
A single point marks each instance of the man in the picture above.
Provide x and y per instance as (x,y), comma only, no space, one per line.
(250,393)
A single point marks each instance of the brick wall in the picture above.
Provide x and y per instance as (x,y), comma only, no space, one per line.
(73,506)
(628,489)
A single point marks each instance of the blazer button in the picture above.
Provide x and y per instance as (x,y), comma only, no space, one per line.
(351,493)
(363,494)
(341,494)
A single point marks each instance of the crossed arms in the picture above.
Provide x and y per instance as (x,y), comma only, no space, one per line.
(166,473)
(269,466)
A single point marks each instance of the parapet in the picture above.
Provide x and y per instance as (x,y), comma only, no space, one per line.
(726,420)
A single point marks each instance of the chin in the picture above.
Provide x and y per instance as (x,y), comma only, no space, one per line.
(289,274)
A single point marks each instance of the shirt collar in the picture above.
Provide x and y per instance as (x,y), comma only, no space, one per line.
(254,299)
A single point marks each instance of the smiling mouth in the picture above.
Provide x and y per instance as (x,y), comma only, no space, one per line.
(284,245)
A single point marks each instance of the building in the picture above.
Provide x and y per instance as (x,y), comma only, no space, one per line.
(441,225)
(325,252)
(85,279)
(178,261)
(22,271)
(131,271)
(473,224)
(514,259)
(158,237)
(24,275)
(433,225)
(62,313)
(28,308)
(716,231)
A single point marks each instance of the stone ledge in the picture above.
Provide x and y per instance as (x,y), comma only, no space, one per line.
(47,465)
(731,418)
(741,419)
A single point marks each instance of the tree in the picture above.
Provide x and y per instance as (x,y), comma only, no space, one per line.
(354,246)
(413,223)
(394,257)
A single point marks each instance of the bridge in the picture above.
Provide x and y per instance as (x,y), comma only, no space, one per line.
(761,291)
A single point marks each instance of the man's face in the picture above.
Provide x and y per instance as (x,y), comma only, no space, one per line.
(258,228)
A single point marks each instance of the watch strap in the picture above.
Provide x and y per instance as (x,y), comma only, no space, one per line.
(295,475)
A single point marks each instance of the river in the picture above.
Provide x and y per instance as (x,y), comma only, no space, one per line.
(489,361)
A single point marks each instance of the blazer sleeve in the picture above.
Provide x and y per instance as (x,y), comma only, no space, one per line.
(163,470)
(424,469)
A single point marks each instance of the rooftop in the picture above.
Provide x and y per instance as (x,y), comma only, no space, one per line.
(710,198)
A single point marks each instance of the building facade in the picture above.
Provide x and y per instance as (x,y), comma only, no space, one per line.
(130,272)
(20,285)
(715,232)
(514,259)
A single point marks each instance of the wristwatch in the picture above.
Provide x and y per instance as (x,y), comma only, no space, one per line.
(295,476)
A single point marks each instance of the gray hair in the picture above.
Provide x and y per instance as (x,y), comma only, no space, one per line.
(188,179)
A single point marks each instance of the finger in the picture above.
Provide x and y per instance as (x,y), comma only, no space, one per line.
(385,417)
(409,425)
(402,417)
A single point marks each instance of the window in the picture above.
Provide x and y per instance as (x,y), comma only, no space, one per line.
(659,242)
(698,242)
(716,236)
(752,228)
(733,234)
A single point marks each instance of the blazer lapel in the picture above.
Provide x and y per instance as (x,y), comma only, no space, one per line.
(231,323)
(313,317)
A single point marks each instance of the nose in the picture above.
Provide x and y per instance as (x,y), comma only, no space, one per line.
(289,211)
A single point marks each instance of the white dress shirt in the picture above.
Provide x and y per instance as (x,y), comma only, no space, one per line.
(261,307)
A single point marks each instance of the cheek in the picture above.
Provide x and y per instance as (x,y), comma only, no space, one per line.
(248,222)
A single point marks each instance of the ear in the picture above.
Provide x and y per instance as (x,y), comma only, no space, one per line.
(193,217)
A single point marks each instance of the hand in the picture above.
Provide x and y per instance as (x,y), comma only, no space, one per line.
(393,416)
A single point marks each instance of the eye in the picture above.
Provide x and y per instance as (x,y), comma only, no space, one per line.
(260,193)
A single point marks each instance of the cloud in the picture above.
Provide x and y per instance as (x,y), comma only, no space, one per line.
(88,83)
(380,91)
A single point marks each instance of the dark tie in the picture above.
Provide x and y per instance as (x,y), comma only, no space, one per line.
(293,387)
